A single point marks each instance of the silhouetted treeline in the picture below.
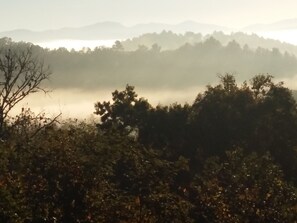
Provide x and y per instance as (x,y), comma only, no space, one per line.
(168,40)
(228,157)
(187,66)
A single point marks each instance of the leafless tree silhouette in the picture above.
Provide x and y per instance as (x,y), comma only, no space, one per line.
(21,73)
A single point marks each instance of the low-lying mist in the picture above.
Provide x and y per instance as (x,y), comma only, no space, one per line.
(77,103)
(74,44)
(82,78)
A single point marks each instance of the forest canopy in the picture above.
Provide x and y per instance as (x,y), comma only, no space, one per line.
(228,157)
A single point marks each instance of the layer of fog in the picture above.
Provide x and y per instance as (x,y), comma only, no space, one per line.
(288,36)
(77,45)
(76,103)
(79,104)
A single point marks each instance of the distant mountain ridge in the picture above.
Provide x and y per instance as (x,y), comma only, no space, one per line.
(287,24)
(115,30)
(109,30)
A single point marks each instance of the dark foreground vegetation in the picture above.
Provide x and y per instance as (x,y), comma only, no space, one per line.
(228,157)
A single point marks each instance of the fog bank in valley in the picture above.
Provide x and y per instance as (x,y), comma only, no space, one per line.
(161,73)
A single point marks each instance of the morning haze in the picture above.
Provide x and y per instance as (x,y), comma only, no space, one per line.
(153,111)
(154,51)
(43,15)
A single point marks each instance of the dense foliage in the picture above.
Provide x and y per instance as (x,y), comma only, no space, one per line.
(229,157)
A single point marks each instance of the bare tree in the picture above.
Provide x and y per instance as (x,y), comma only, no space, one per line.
(21,73)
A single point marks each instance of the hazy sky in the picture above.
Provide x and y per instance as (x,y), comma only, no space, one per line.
(52,14)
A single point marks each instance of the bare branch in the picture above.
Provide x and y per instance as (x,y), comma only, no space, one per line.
(21,74)
(54,120)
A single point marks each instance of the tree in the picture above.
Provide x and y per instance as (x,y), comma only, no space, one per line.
(221,117)
(157,127)
(243,188)
(127,112)
(260,116)
(21,73)
(117,46)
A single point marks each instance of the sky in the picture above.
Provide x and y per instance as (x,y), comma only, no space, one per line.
(53,14)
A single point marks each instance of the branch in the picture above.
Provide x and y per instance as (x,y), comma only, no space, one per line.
(46,125)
